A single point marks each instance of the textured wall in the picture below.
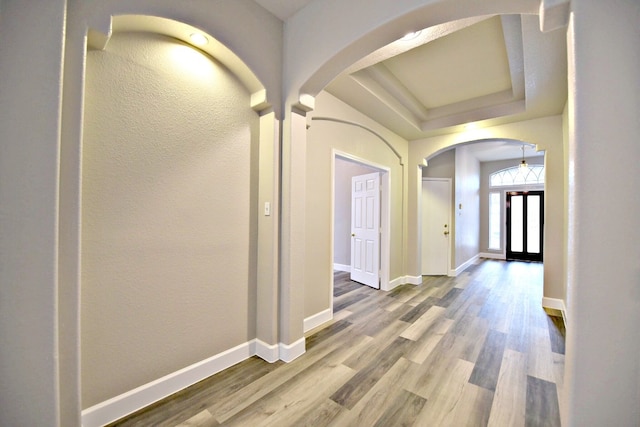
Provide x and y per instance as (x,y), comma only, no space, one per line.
(168,242)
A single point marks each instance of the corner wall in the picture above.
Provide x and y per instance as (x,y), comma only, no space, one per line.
(31,65)
(602,376)
(466,208)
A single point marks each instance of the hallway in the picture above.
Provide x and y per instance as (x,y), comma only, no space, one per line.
(473,350)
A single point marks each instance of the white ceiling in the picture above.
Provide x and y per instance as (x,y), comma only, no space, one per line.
(485,71)
(283,9)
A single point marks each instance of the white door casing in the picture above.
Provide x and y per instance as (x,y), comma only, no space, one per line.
(436,226)
(365,229)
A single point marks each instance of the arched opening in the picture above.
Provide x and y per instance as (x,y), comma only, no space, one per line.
(361,73)
(178,150)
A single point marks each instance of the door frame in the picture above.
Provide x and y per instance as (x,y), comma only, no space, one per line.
(385,216)
(507,250)
(450,222)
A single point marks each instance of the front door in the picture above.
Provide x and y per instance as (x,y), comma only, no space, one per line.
(525,220)
(436,208)
(365,229)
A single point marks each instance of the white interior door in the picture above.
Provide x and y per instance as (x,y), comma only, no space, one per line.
(436,230)
(365,229)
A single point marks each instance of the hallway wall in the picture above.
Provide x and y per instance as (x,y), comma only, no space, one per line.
(466,207)
(169,213)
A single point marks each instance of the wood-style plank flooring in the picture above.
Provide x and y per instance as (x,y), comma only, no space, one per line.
(474,350)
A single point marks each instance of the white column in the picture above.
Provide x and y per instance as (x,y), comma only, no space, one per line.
(31,64)
(292,262)
(603,337)
(268,231)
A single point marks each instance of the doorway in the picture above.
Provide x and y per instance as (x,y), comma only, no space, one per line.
(365,229)
(436,226)
(525,225)
(346,166)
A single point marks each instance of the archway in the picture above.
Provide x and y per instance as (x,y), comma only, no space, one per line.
(253,127)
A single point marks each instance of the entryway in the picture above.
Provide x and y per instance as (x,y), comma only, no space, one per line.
(361,220)
(525,220)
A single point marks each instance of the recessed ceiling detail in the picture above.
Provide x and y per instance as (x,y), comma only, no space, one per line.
(471,70)
(469,63)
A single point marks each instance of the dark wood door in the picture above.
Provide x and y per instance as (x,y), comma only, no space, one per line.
(525,225)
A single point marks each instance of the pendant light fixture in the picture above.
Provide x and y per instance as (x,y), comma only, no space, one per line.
(523,163)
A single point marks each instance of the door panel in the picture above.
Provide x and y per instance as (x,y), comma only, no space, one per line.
(525,217)
(436,208)
(365,229)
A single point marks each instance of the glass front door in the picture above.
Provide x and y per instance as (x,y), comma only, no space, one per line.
(525,219)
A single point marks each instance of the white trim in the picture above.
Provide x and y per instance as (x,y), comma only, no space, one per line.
(492,255)
(267,352)
(556,304)
(413,280)
(317,319)
(290,352)
(396,282)
(147,394)
(464,266)
(131,401)
(410,280)
(341,267)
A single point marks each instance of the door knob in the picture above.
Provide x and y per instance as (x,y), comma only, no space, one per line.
(353,234)
(446,232)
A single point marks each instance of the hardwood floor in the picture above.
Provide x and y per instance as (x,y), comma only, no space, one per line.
(473,350)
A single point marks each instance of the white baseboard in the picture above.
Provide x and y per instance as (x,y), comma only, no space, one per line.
(267,352)
(556,304)
(290,352)
(145,395)
(395,283)
(341,267)
(411,280)
(464,266)
(491,255)
(127,403)
(317,319)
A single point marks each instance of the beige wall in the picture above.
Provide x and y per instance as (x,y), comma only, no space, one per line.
(322,138)
(169,204)
(466,207)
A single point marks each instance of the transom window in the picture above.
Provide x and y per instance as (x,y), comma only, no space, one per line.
(533,174)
